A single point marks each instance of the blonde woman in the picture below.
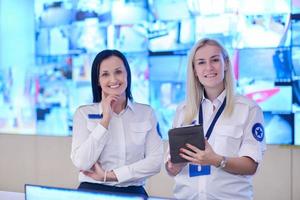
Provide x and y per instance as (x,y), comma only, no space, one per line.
(233,126)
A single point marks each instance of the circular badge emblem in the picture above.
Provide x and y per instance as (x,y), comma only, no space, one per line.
(258,132)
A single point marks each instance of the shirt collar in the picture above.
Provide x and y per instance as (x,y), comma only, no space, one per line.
(130,105)
(220,98)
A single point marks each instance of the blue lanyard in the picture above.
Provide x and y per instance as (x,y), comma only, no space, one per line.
(213,123)
(205,169)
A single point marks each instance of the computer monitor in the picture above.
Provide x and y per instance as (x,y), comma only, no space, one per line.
(167,87)
(297,128)
(38,192)
(279,128)
(275,65)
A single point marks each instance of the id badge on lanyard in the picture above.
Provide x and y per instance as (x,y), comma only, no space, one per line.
(201,170)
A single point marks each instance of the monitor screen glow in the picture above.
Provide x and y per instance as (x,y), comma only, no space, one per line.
(38,192)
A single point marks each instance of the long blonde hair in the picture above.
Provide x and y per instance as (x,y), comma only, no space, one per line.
(195,90)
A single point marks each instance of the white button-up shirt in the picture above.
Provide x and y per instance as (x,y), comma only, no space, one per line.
(131,146)
(232,136)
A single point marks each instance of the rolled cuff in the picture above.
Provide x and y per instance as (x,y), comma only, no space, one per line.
(250,151)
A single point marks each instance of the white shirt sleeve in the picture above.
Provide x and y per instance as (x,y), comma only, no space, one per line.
(151,164)
(87,143)
(251,146)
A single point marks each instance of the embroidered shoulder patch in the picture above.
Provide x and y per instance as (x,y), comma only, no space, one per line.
(258,132)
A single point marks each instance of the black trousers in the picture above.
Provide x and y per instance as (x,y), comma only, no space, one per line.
(139,190)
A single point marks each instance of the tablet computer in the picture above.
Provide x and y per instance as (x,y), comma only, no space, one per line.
(178,137)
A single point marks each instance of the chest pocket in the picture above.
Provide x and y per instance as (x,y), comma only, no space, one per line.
(228,140)
(139,131)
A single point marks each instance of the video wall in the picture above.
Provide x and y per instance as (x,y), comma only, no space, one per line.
(262,36)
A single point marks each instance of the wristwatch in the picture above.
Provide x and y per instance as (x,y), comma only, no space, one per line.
(223,163)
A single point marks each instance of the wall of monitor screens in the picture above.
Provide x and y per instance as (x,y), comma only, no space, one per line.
(262,36)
